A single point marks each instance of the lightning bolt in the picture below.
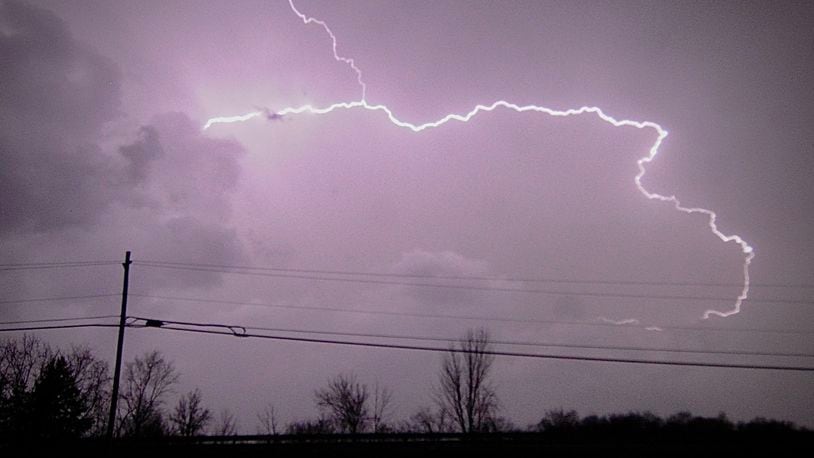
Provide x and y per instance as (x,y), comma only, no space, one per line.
(629,322)
(661,134)
(621,322)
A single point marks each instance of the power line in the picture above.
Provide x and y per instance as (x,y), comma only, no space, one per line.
(154,322)
(462,317)
(476,288)
(537,344)
(55,320)
(62,263)
(53,265)
(469,277)
(243,330)
(497,353)
(57,298)
(371,312)
(64,326)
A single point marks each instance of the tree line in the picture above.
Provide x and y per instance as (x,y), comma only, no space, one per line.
(49,394)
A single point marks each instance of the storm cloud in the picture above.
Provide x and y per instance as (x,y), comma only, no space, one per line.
(62,169)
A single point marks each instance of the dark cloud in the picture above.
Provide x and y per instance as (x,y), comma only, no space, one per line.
(195,173)
(139,154)
(172,169)
(60,169)
(57,94)
(420,263)
(52,84)
(46,189)
(189,239)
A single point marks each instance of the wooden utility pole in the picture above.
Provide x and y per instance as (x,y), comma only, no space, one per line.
(114,396)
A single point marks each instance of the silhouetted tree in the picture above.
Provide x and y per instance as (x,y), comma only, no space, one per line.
(684,423)
(57,409)
(380,408)
(496,424)
(640,426)
(644,424)
(189,417)
(147,380)
(93,379)
(227,425)
(559,421)
(345,400)
(23,363)
(321,425)
(20,364)
(267,421)
(465,391)
(760,426)
(427,421)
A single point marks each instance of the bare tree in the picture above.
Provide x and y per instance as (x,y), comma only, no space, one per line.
(267,420)
(465,391)
(559,420)
(147,380)
(20,363)
(345,400)
(227,425)
(381,399)
(190,417)
(321,425)
(93,380)
(427,421)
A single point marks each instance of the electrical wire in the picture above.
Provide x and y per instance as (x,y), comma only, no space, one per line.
(155,322)
(64,326)
(464,317)
(423,348)
(470,277)
(478,288)
(54,265)
(499,353)
(55,320)
(59,263)
(57,298)
(537,344)
(240,329)
(243,330)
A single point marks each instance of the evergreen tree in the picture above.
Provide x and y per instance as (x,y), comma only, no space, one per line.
(57,409)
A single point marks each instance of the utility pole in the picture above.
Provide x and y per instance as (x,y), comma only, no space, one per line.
(114,396)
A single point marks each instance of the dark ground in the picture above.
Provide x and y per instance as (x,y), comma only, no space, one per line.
(445,445)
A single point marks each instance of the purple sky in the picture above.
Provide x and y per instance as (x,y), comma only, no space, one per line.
(101,109)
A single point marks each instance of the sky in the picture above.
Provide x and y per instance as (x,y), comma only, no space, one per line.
(103,151)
